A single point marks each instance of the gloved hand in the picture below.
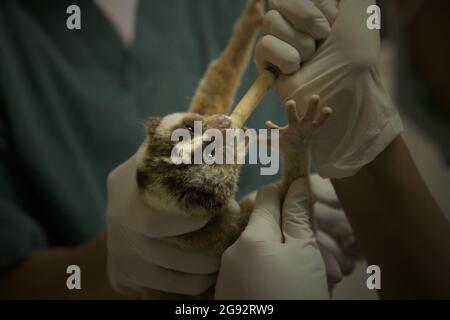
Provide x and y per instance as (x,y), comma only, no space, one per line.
(334,233)
(259,265)
(343,71)
(137,261)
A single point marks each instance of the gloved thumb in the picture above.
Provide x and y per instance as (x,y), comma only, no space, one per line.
(296,220)
(264,222)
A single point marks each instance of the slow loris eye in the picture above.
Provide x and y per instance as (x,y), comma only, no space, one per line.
(189,127)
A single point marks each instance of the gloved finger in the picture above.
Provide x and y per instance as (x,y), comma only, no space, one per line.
(335,223)
(119,280)
(304,16)
(324,191)
(276,25)
(328,217)
(273,51)
(296,221)
(155,223)
(334,273)
(141,273)
(264,222)
(329,8)
(155,252)
(119,184)
(346,262)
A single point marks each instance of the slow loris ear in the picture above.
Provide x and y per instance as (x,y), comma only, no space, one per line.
(151,124)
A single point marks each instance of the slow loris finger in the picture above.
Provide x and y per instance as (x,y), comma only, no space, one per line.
(313,106)
(323,116)
(291,108)
(266,139)
(270,125)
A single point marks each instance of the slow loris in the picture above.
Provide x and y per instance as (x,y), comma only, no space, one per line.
(204,190)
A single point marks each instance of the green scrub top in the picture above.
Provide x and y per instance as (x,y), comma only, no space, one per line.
(72,104)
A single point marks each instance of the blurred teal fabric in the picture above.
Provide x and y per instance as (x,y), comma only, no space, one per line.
(72,104)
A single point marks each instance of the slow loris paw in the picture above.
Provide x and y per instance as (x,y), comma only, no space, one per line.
(253,14)
(297,134)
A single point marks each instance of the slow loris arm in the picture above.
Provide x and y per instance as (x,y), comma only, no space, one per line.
(216,91)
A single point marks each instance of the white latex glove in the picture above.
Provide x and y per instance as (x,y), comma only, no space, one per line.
(260,265)
(334,234)
(343,71)
(137,261)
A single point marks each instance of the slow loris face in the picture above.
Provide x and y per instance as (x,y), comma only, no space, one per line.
(200,189)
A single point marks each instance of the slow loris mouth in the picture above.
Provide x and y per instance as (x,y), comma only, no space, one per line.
(212,141)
